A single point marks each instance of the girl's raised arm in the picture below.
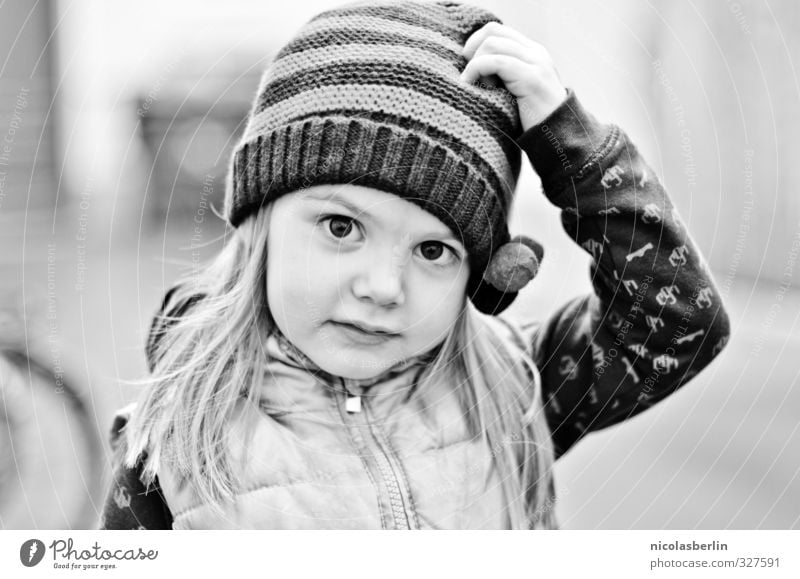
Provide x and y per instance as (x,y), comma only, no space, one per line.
(655,318)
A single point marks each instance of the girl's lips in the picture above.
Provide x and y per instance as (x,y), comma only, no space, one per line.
(356,334)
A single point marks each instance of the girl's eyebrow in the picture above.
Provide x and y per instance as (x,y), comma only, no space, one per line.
(335,198)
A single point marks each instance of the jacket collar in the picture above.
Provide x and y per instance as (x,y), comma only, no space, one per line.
(294,383)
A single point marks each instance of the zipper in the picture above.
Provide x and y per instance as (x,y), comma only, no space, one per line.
(352,404)
(357,407)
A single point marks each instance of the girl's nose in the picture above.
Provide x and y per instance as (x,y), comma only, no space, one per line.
(381,281)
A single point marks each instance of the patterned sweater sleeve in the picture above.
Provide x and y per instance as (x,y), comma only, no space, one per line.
(129,504)
(655,318)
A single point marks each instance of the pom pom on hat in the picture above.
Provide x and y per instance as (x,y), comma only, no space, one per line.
(514,264)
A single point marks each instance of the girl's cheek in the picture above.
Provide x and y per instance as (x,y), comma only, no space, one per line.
(301,250)
(431,285)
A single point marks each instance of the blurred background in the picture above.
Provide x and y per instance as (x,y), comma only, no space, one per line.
(116,124)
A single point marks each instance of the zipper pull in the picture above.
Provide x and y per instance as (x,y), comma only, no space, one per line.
(353,404)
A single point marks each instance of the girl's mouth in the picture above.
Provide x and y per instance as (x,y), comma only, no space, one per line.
(363,336)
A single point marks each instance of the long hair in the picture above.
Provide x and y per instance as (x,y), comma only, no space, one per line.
(206,359)
(211,356)
(498,387)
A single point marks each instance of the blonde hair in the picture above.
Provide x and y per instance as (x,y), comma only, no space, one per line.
(212,356)
(500,393)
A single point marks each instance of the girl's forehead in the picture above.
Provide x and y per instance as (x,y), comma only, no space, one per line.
(373,205)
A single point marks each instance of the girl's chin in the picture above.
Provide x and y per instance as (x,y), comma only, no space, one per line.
(355,365)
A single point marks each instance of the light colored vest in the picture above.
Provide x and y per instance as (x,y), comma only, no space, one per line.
(317,461)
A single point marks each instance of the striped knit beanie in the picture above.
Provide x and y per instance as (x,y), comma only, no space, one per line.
(369,94)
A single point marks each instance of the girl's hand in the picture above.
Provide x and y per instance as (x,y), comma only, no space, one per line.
(524,66)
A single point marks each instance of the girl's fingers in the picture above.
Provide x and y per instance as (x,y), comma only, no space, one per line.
(496,52)
(508,47)
(494,29)
(486,65)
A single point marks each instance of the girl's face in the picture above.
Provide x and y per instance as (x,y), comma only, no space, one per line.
(360,280)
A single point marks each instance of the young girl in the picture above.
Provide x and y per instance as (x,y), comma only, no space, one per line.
(343,362)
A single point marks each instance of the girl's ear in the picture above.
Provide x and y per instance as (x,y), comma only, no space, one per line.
(514,264)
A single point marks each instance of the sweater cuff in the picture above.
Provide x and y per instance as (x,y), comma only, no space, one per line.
(561,146)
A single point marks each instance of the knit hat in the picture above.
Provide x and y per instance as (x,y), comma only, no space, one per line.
(369,94)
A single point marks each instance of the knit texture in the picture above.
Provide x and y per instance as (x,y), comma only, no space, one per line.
(369,94)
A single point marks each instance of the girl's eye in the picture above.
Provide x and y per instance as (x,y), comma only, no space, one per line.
(339,225)
(440,254)
(434,250)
